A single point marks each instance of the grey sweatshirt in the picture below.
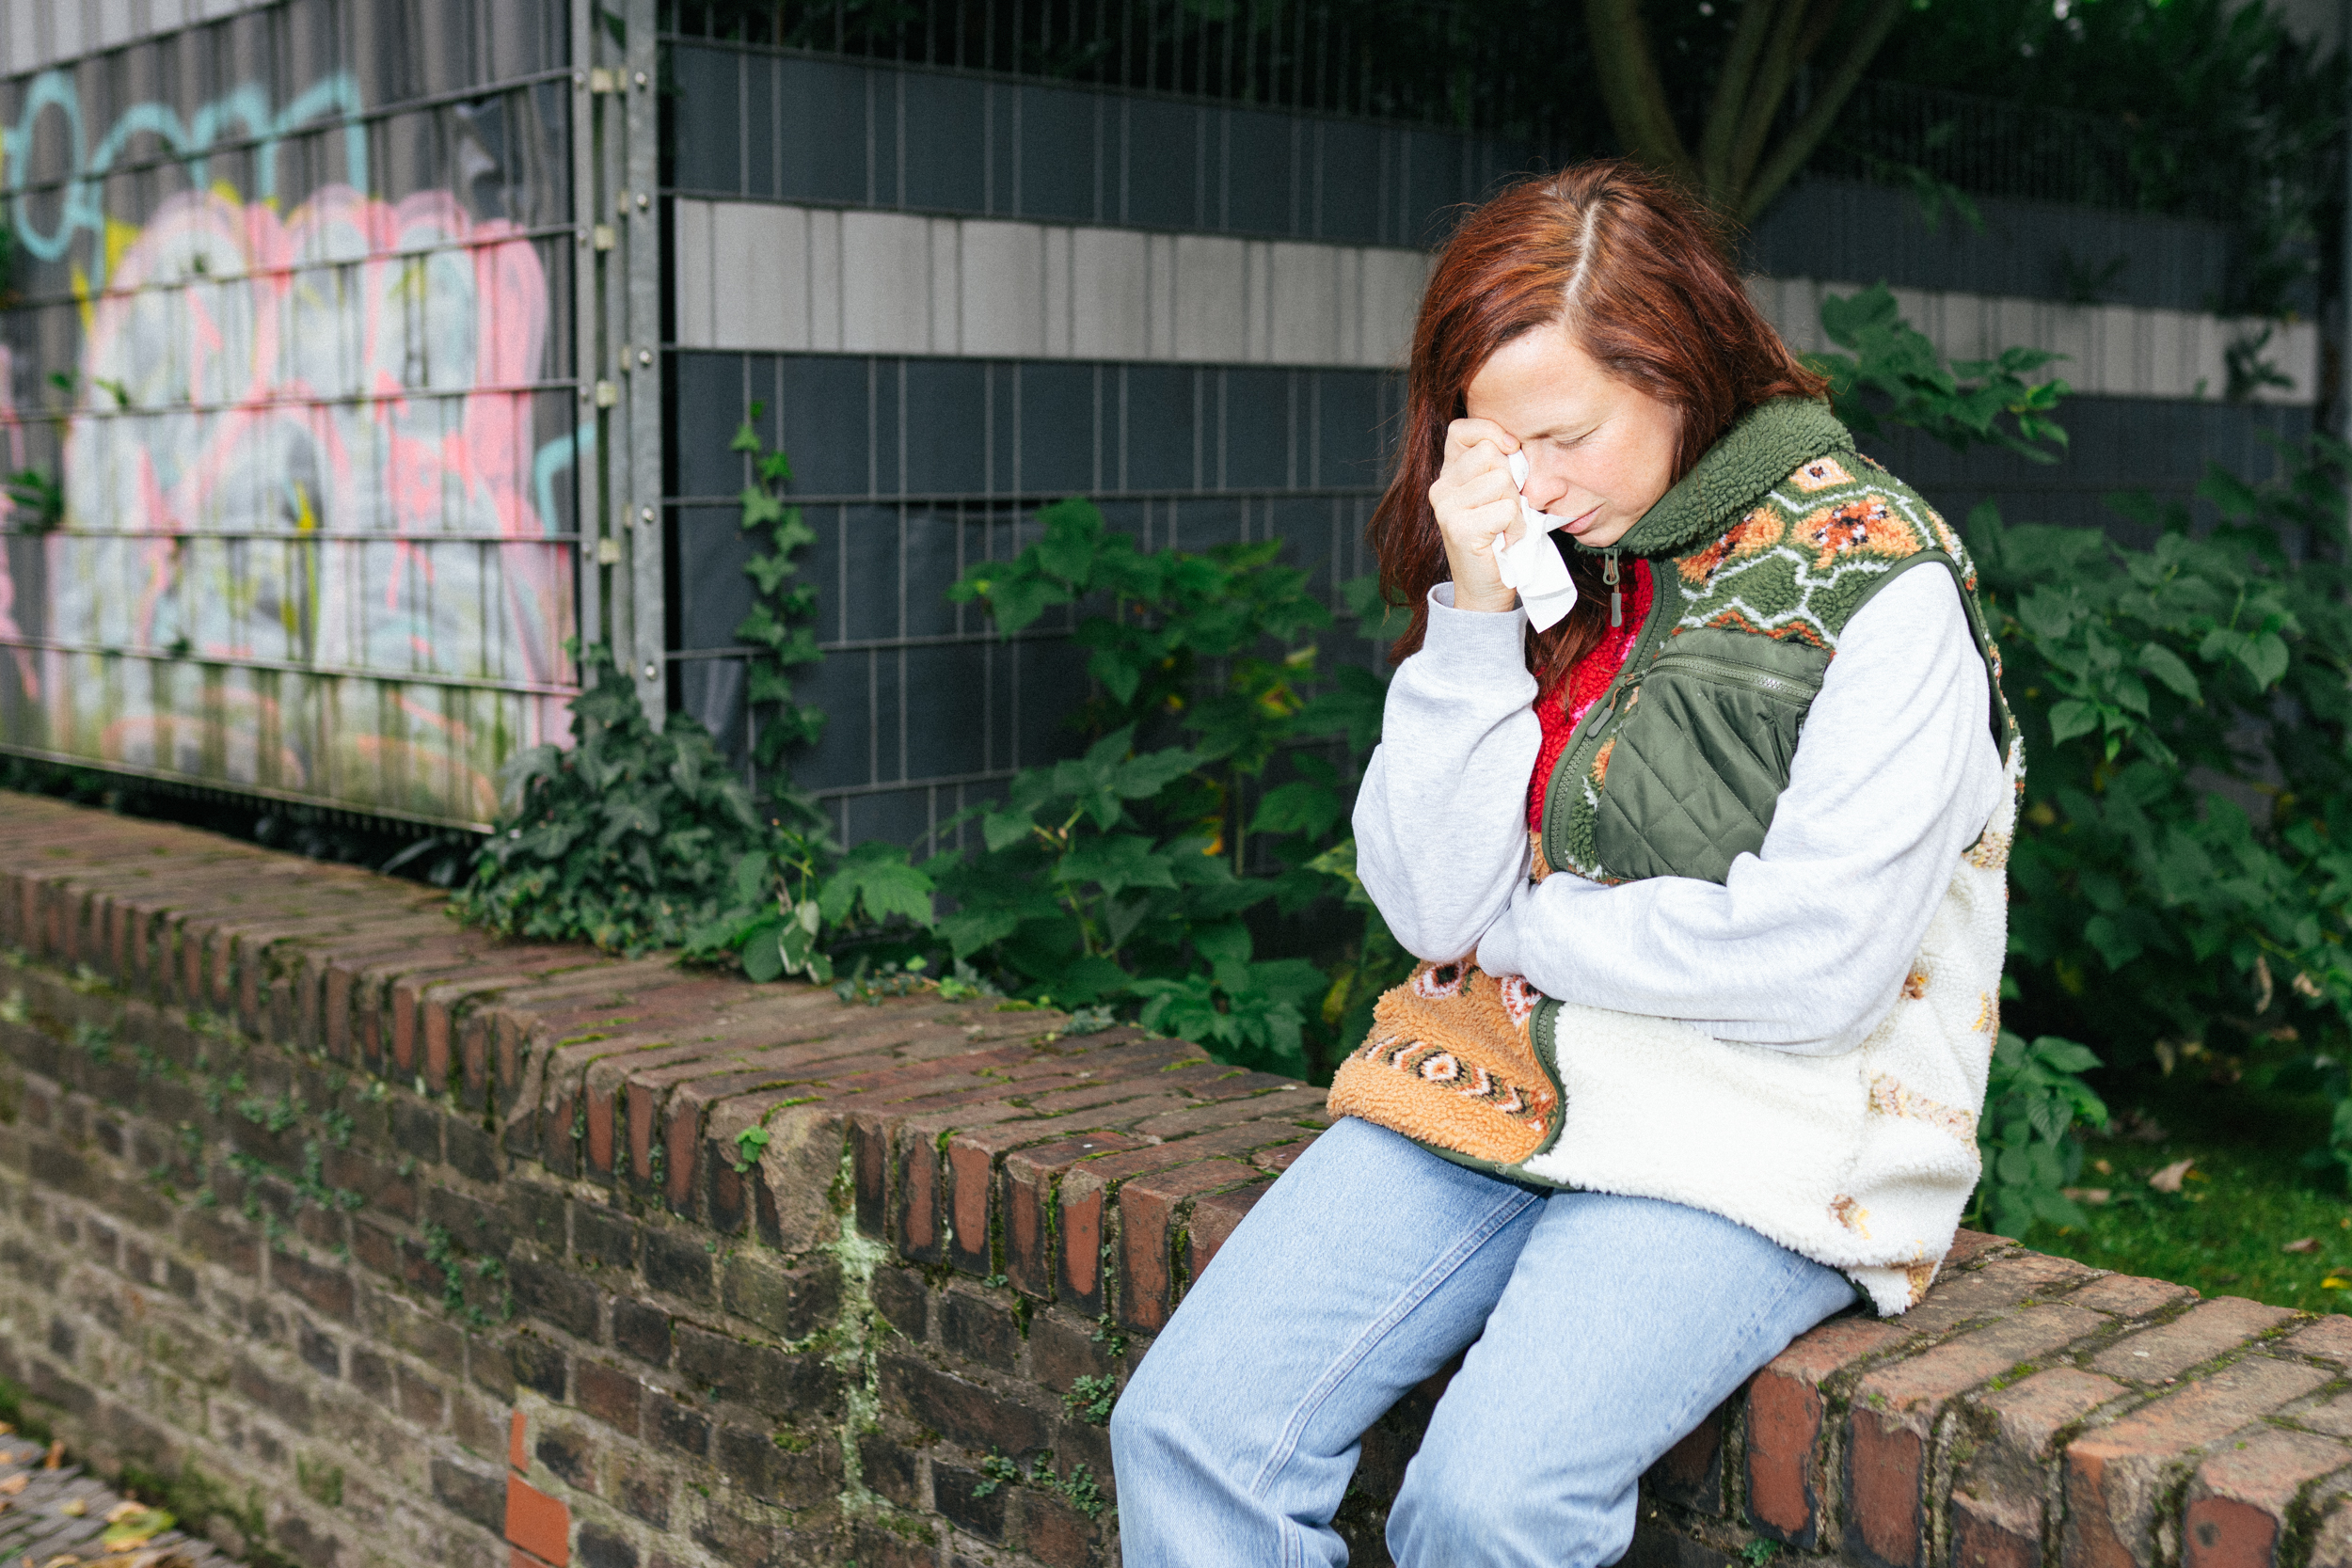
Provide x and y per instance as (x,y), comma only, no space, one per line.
(1804,946)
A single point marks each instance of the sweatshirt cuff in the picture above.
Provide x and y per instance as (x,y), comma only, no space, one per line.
(1473,636)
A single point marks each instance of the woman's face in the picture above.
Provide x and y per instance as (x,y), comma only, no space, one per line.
(1599,451)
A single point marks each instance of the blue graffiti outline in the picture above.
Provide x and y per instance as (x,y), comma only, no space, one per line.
(334,96)
(558,455)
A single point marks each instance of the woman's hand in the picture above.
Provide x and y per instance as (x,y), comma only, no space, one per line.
(1475,502)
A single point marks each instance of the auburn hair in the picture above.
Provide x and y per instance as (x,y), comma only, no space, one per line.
(1640,272)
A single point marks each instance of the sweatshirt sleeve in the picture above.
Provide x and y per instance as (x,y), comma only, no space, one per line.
(1804,946)
(1441,814)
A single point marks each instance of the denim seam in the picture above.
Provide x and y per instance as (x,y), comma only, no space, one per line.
(1412,1296)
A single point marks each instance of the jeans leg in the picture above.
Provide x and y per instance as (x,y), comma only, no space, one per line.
(1626,1320)
(1362,1272)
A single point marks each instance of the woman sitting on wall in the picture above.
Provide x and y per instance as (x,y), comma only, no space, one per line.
(1707,874)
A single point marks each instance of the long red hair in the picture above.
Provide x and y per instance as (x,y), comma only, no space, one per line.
(1640,272)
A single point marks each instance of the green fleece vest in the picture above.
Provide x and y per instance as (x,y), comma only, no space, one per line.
(1759,559)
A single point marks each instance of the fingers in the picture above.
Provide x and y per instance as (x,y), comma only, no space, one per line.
(1463,434)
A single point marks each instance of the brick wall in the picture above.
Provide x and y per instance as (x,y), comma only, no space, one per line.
(364,1239)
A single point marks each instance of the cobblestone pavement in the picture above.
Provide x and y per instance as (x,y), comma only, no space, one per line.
(58,1518)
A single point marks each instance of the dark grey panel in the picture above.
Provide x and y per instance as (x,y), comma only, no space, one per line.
(932,558)
(711,403)
(1347,179)
(869,558)
(1257,428)
(715,596)
(900,816)
(823,401)
(1160,422)
(946,121)
(1198,523)
(821,128)
(1058,150)
(1058,429)
(707,140)
(1258,164)
(1844,229)
(761,152)
(841,684)
(1351,447)
(945,422)
(946,694)
(1164,165)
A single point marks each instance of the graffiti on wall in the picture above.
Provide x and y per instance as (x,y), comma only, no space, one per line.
(305,543)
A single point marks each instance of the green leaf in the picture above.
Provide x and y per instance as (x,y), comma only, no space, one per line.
(2070,719)
(2169,668)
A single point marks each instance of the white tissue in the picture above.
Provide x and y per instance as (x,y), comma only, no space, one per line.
(1534,565)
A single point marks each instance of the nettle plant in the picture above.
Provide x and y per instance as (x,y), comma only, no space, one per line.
(1127,874)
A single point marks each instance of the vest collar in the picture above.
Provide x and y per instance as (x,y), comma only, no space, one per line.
(1763,446)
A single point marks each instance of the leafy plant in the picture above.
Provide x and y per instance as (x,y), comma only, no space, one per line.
(778,623)
(1124,875)
(1893,374)
(2034,1099)
(2183,877)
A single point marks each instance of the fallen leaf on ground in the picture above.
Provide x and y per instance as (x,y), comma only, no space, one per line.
(123,1510)
(2306,1244)
(57,1455)
(2103,1168)
(16,1483)
(74,1508)
(134,1528)
(2169,1178)
(2094,1197)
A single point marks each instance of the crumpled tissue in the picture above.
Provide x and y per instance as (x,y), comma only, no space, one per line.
(1534,565)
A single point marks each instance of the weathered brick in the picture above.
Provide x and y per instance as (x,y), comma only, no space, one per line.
(538,1366)
(1991,1288)
(1055,1533)
(644,1491)
(1785,1414)
(1030,1179)
(570,1453)
(1895,1411)
(609,1394)
(969,1500)
(1690,1474)
(1998,1507)
(977,1416)
(546,1290)
(678,1426)
(978,1328)
(2203,1332)
(679,1262)
(325,1289)
(641,1330)
(1150,1208)
(2329,1338)
(1213,1220)
(759,1375)
(604,1236)
(791,1304)
(2128,1296)
(2115,1475)
(473,1491)
(904,1301)
(2236,1512)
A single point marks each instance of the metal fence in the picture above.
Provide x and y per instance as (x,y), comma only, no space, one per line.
(304,385)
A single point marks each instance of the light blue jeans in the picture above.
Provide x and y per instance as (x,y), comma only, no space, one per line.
(1600,1330)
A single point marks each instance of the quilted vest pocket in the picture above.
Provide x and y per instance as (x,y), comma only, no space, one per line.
(1702,753)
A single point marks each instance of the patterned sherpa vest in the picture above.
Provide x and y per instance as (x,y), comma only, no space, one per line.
(1761,556)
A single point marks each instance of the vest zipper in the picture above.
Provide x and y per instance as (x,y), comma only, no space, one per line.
(1666,607)
(1748,676)
(1616,594)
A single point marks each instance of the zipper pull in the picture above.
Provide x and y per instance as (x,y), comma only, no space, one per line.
(1616,594)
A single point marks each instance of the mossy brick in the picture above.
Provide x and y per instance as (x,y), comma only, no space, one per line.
(2126,1296)
(2118,1477)
(546,1290)
(1966,1296)
(679,1426)
(1150,1212)
(1053,1532)
(266,1390)
(417,1129)
(471,1490)
(969,1500)
(979,1327)
(1213,1218)
(788,1303)
(219,1238)
(1027,1199)
(644,1491)
(478,1226)
(422,1402)
(754,1374)
(1063,1349)
(679,1262)
(900,1296)
(609,1393)
(1787,1411)
(538,1366)
(978,1414)
(641,1330)
(372,1374)
(796,1473)
(491,1367)
(1894,1415)
(598,1547)
(2204,1331)
(469,1150)
(536,1212)
(570,1453)
(2238,1509)
(604,1236)
(325,1289)
(1691,1475)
